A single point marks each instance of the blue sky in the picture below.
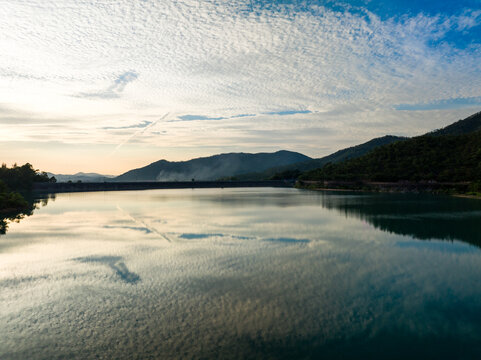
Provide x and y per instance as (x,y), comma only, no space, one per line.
(108,86)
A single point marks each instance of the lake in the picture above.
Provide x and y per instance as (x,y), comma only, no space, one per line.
(242,273)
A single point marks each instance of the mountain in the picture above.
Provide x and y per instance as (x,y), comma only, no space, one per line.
(294,170)
(465,126)
(83,177)
(212,167)
(451,154)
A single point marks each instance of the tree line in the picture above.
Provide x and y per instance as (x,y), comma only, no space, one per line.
(17,180)
(448,158)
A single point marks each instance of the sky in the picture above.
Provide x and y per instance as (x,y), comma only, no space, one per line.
(107,86)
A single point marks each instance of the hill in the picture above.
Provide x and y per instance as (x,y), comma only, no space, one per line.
(212,167)
(465,126)
(292,171)
(448,158)
(451,154)
(83,177)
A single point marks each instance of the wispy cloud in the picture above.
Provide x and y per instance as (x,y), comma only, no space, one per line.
(140,125)
(443,104)
(242,115)
(246,67)
(288,112)
(199,117)
(209,118)
(137,133)
(115,89)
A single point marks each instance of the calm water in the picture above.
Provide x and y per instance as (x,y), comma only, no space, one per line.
(243,273)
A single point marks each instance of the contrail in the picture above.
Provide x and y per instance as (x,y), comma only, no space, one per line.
(137,133)
(143,223)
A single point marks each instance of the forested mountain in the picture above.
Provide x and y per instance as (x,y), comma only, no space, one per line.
(465,126)
(294,170)
(212,167)
(452,154)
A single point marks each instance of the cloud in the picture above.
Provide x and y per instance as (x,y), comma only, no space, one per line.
(138,133)
(289,112)
(211,63)
(242,115)
(114,90)
(141,125)
(198,117)
(455,103)
(115,263)
(204,117)
(209,58)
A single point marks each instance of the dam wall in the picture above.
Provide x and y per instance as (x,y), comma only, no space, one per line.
(147,185)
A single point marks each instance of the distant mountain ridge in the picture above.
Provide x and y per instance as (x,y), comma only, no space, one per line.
(341,155)
(212,167)
(262,166)
(83,177)
(465,126)
(451,154)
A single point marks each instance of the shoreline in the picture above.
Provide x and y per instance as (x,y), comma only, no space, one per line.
(150,185)
(362,187)
(451,189)
(465,196)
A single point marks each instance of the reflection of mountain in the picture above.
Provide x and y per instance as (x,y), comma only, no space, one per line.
(420,216)
(16,216)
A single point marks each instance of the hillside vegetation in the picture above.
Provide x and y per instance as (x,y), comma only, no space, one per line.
(15,180)
(443,158)
(292,171)
(466,126)
(212,167)
(21,178)
(450,154)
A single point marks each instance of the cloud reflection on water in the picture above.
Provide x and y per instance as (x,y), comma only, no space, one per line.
(287,240)
(297,279)
(116,263)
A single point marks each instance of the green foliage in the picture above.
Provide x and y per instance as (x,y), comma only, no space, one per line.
(475,188)
(228,178)
(10,200)
(22,177)
(448,158)
(17,178)
(469,125)
(341,155)
(288,174)
(213,167)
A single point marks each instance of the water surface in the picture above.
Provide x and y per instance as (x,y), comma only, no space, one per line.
(243,273)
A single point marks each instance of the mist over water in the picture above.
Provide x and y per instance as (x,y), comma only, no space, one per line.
(242,273)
